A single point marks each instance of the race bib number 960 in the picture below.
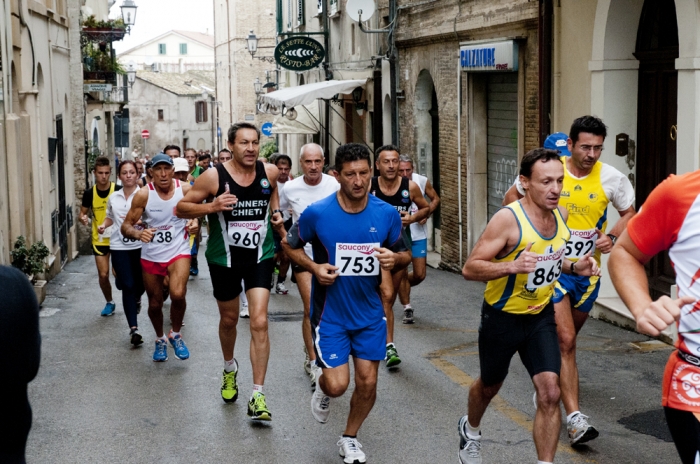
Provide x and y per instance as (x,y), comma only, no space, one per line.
(356,259)
(580,243)
(246,234)
(548,269)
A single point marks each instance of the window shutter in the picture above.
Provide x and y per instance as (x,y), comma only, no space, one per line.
(301,13)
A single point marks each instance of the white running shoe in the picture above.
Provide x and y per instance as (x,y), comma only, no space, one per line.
(350,450)
(307,362)
(320,404)
(469,448)
(314,375)
(280,289)
(580,431)
(244,311)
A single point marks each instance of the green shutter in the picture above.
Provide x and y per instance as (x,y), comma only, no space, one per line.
(280,17)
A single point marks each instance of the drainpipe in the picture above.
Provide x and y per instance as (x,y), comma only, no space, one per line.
(459,160)
(329,76)
(544,34)
(377,122)
(393,75)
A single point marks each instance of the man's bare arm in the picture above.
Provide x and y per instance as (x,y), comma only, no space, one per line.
(138,204)
(417,198)
(621,224)
(434,201)
(205,186)
(511,195)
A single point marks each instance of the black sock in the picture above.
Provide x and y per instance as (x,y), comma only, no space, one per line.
(349,436)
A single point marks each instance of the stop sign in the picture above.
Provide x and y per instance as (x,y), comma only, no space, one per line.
(145,134)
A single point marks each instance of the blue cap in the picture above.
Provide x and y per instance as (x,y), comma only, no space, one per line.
(557,141)
(162,158)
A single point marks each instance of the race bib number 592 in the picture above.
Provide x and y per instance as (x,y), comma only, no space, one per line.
(246,234)
(581,242)
(356,259)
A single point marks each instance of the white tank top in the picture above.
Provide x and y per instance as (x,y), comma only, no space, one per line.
(171,239)
(419,232)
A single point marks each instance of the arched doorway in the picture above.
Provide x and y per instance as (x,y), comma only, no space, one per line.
(427,148)
(657,110)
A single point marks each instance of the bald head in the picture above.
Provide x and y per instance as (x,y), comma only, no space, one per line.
(311,160)
(310,149)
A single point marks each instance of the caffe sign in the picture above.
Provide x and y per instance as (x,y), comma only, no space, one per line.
(299,53)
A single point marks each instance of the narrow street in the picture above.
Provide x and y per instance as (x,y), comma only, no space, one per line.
(97,400)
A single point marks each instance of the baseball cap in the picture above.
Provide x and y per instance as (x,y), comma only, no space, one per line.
(180,164)
(557,141)
(162,158)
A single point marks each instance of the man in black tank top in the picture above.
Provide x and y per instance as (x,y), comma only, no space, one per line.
(399,192)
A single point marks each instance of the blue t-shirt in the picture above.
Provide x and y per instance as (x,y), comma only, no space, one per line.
(347,240)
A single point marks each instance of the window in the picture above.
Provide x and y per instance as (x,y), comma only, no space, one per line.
(300,12)
(160,115)
(161,49)
(183,49)
(201,111)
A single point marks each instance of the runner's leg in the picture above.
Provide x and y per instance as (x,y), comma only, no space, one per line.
(179,272)
(364,396)
(569,322)
(228,312)
(389,305)
(154,290)
(121,262)
(548,416)
(304,285)
(258,299)
(419,271)
(102,263)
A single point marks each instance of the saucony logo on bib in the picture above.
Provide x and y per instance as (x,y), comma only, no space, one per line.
(250,225)
(365,249)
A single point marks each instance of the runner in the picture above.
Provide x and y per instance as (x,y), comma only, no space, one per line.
(284,165)
(296,196)
(241,195)
(194,169)
(419,237)
(172,151)
(399,192)
(668,220)
(348,316)
(165,251)
(126,252)
(520,255)
(589,186)
(95,201)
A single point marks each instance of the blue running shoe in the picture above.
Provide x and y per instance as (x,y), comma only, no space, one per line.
(181,351)
(109,309)
(161,352)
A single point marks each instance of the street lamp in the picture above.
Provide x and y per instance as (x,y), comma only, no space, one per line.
(356,97)
(129,13)
(252,40)
(131,74)
(258,86)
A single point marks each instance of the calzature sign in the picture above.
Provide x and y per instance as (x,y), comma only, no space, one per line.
(498,56)
(299,53)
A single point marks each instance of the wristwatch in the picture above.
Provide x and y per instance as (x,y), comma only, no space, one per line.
(613,238)
(572,270)
(278,211)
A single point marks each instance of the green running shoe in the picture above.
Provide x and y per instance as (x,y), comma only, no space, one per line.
(257,409)
(392,357)
(229,387)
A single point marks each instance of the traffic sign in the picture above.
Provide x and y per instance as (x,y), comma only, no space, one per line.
(145,134)
(266,129)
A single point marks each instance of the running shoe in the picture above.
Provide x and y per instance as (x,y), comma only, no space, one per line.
(194,272)
(229,387)
(136,338)
(408,316)
(307,362)
(314,375)
(350,450)
(580,431)
(257,408)
(181,351)
(320,404)
(280,289)
(161,352)
(469,448)
(244,311)
(108,309)
(392,357)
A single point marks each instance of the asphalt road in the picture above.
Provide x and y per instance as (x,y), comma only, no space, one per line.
(97,400)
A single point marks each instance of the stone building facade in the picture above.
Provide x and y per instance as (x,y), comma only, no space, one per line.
(466,119)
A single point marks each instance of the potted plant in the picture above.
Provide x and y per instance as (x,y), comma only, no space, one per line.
(30,260)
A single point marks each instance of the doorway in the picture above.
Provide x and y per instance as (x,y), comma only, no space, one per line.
(657,50)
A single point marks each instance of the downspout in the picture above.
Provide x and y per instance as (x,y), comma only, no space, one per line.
(393,75)
(544,32)
(459,160)
(329,76)
(23,22)
(230,64)
(377,122)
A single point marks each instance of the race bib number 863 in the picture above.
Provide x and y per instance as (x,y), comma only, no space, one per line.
(548,269)
(356,259)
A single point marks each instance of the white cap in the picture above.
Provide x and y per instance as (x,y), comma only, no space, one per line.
(181,165)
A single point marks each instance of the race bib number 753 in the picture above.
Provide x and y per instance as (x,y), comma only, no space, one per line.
(356,259)
(548,269)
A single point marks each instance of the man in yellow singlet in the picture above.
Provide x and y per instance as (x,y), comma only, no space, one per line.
(95,199)
(521,255)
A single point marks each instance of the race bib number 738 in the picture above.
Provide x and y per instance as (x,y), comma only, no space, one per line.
(356,259)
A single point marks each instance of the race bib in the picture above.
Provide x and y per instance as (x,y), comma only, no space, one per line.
(246,234)
(548,269)
(356,259)
(580,243)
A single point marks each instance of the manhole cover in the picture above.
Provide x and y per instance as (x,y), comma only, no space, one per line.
(649,423)
(285,317)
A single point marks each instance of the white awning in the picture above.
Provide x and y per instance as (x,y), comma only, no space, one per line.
(306,121)
(307,93)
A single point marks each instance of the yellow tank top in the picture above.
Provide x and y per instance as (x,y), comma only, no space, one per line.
(529,293)
(587,204)
(99,213)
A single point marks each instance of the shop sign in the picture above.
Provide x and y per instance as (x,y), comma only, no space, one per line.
(299,53)
(494,56)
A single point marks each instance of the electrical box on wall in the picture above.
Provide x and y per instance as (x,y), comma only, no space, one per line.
(622,144)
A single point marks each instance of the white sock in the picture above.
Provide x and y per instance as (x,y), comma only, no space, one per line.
(407,306)
(242,296)
(256,389)
(111,302)
(231,366)
(173,334)
(473,432)
(571,416)
(543,462)
(390,344)
(164,338)
(313,363)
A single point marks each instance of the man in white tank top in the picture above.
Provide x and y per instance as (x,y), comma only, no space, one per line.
(165,251)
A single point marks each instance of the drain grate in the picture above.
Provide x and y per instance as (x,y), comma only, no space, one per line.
(285,317)
(649,423)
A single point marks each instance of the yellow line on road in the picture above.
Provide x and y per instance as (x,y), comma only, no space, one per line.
(464,380)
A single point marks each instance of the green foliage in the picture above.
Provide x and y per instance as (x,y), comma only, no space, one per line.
(92,154)
(268,148)
(92,23)
(29,260)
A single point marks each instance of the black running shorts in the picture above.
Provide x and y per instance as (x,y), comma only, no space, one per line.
(685,430)
(502,334)
(227,280)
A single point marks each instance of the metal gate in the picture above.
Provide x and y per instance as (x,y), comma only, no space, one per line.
(502,133)
(63,214)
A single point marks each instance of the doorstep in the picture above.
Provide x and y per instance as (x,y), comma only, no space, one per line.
(614,310)
(434,259)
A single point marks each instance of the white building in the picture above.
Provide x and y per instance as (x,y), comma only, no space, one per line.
(173,52)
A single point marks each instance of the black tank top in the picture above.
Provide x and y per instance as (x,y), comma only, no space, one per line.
(401,200)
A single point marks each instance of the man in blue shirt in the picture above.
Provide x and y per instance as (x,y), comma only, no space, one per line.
(356,240)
